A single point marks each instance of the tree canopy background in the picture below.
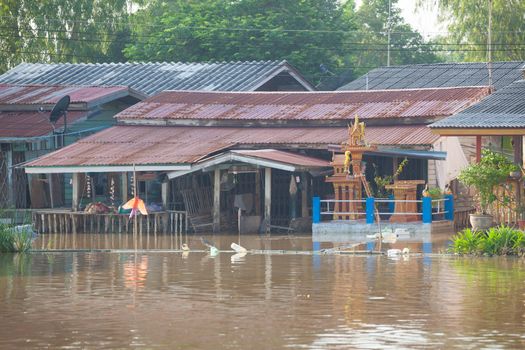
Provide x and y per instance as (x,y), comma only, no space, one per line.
(329,41)
(468,29)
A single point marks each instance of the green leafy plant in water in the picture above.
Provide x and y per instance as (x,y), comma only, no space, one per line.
(13,240)
(492,170)
(501,240)
(466,242)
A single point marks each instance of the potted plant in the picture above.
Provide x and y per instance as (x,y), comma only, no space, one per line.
(491,171)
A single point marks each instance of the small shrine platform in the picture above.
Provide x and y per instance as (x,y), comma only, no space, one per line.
(357,230)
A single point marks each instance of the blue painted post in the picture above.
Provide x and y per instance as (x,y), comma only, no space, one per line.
(427,210)
(449,207)
(370,210)
(391,205)
(316,210)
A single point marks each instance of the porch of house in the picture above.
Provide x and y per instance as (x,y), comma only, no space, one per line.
(235,191)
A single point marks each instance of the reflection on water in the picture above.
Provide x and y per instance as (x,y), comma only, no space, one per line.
(302,242)
(169,300)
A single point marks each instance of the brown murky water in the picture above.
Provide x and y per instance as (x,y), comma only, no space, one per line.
(95,300)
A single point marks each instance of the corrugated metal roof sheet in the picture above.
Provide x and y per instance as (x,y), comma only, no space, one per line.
(127,145)
(305,105)
(284,157)
(32,124)
(151,78)
(47,94)
(505,108)
(438,75)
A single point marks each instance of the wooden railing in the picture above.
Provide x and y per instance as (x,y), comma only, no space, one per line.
(55,221)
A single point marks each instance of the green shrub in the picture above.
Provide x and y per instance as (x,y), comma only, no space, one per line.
(492,170)
(501,240)
(466,242)
(13,240)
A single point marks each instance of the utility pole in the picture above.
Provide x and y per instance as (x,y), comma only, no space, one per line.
(389,28)
(489,44)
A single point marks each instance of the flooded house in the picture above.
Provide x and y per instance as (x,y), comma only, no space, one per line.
(251,161)
(99,91)
(26,133)
(497,122)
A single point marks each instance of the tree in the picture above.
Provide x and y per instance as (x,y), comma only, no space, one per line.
(370,41)
(468,28)
(307,33)
(62,31)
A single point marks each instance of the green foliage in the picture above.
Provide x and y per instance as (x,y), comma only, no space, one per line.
(492,170)
(305,32)
(468,24)
(435,193)
(12,241)
(62,31)
(382,181)
(407,45)
(502,240)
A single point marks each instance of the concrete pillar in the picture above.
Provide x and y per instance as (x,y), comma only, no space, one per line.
(124,187)
(267,194)
(75,201)
(217,200)
(165,188)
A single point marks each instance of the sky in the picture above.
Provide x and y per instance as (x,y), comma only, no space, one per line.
(425,20)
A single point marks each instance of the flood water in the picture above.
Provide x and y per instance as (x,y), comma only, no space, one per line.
(162,299)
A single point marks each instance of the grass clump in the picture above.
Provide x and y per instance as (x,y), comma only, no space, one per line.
(501,240)
(15,239)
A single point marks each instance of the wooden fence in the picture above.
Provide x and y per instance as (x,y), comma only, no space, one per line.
(166,222)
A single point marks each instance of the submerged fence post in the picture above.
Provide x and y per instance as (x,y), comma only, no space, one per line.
(427,210)
(370,210)
(449,207)
(316,210)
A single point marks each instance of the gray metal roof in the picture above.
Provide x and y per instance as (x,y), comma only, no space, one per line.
(438,75)
(151,78)
(505,108)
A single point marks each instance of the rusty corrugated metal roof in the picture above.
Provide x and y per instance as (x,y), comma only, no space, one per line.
(340,105)
(48,94)
(127,145)
(284,157)
(31,123)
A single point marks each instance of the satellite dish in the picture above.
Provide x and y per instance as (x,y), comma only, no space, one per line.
(59,109)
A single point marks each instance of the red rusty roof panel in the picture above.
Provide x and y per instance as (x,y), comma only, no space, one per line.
(284,157)
(141,145)
(334,105)
(44,94)
(31,123)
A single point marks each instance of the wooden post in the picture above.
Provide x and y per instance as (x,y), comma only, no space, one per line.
(217,200)
(51,190)
(10,177)
(304,196)
(257,199)
(518,149)
(165,186)
(76,192)
(268,194)
(124,187)
(478,148)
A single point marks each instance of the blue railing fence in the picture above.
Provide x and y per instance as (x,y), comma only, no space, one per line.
(430,208)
